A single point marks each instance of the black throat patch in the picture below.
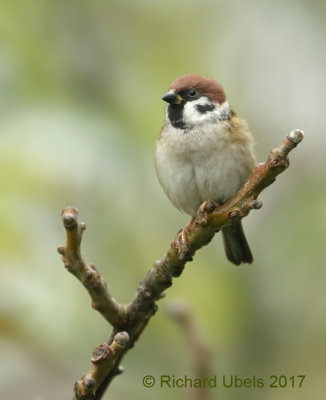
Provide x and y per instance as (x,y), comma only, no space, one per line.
(175,114)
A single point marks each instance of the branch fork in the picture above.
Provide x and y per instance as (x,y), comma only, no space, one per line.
(130,320)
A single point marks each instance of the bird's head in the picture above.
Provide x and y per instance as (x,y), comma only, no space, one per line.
(194,99)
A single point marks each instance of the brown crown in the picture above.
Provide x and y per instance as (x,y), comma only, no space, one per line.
(206,86)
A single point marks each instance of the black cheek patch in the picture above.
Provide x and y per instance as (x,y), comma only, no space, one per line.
(204,108)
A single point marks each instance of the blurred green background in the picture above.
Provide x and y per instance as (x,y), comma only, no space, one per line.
(80,108)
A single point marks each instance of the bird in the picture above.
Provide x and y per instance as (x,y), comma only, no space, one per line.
(204,151)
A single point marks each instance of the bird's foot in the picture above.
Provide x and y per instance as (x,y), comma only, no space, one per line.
(206,208)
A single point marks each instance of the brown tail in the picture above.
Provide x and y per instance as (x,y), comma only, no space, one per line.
(235,243)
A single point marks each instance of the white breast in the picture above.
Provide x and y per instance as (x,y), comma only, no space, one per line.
(200,164)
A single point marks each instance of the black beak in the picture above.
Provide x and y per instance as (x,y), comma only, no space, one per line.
(172,98)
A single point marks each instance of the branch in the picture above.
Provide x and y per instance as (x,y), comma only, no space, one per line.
(198,233)
(102,301)
(104,359)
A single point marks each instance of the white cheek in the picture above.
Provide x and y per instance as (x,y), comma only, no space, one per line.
(191,115)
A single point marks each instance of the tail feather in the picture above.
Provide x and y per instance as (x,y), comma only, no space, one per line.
(235,243)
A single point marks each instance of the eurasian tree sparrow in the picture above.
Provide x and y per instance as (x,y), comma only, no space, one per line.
(204,152)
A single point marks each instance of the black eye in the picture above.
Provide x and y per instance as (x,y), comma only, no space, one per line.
(192,93)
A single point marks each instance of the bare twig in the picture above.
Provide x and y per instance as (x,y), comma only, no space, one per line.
(104,359)
(199,232)
(102,301)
